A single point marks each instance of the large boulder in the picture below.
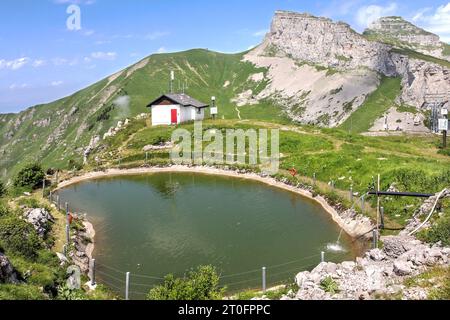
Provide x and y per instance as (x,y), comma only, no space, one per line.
(395,246)
(403,267)
(7,272)
(40,219)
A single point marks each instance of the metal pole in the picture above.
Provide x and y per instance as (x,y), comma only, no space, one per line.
(127,286)
(43,188)
(67,214)
(50,196)
(57,202)
(314,178)
(264,279)
(362,204)
(444,134)
(93,272)
(375,239)
(322,256)
(146,157)
(65,250)
(382,217)
(67,234)
(351,194)
(444,139)
(67,224)
(378,206)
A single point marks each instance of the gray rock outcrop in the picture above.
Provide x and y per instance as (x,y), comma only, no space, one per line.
(379,272)
(7,272)
(40,219)
(403,34)
(300,35)
(300,48)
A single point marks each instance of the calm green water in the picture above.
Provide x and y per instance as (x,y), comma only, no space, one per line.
(164,223)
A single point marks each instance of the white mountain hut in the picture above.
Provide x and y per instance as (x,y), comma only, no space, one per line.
(176,108)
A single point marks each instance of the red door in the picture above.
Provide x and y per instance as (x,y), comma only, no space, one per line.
(174,116)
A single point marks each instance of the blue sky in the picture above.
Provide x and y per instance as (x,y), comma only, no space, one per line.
(41,59)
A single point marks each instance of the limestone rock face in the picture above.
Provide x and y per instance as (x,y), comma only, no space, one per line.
(403,34)
(40,219)
(320,71)
(327,43)
(379,272)
(421,78)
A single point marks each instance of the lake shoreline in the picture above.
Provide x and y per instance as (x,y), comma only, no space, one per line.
(355,227)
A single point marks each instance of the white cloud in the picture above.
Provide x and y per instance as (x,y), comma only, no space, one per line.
(337,8)
(368,14)
(122,101)
(437,22)
(104,55)
(161,50)
(56,83)
(14,64)
(38,63)
(260,33)
(101,42)
(15,86)
(148,36)
(59,61)
(88,33)
(156,35)
(86,2)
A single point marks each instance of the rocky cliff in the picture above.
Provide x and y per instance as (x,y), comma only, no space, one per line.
(320,40)
(311,69)
(400,33)
(321,71)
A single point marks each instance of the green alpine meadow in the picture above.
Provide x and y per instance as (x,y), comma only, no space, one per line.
(304,161)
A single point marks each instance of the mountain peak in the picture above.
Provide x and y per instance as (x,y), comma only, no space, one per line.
(396,25)
(400,33)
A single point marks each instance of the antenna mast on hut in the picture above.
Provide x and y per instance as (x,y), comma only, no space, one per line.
(172,79)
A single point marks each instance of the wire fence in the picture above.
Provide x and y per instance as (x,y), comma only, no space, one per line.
(139,285)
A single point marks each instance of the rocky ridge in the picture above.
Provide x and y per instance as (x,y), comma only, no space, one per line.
(322,71)
(401,33)
(381,272)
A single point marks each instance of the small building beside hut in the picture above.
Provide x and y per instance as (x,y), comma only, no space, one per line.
(176,108)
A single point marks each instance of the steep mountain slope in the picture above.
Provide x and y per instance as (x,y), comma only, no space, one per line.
(402,34)
(308,69)
(58,133)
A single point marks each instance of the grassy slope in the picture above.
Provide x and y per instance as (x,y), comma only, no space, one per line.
(40,275)
(446,51)
(205,71)
(375,105)
(412,162)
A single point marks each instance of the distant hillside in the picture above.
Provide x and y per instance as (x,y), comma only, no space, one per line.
(309,70)
(57,133)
